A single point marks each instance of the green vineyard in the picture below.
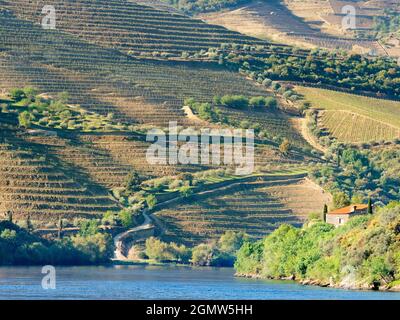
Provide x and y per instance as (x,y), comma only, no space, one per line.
(352,118)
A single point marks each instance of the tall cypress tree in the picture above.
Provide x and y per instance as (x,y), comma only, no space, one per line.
(10,216)
(60,228)
(325,212)
(29,225)
(369,206)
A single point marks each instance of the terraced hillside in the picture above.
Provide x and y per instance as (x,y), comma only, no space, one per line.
(276,124)
(33,182)
(274,21)
(72,174)
(138,91)
(257,208)
(352,118)
(129,26)
(91,165)
(328,16)
(107,81)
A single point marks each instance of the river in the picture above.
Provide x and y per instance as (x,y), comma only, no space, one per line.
(160,282)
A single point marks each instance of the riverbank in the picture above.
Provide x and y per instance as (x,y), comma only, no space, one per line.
(322,284)
(362,254)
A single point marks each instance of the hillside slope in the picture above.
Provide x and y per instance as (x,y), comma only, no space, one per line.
(125,25)
(256,208)
(33,182)
(274,21)
(376,119)
(73,174)
(106,80)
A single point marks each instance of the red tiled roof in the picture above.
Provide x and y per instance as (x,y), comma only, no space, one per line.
(350,209)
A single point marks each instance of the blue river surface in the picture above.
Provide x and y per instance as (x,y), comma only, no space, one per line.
(139,282)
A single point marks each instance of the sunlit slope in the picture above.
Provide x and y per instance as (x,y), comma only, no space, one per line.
(271,20)
(353,118)
(128,26)
(33,182)
(137,91)
(106,80)
(76,174)
(256,208)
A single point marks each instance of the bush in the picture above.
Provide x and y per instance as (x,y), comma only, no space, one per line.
(19,247)
(284,147)
(340,199)
(88,227)
(271,102)
(30,93)
(186,191)
(235,101)
(126,218)
(25,119)
(151,201)
(363,252)
(17,94)
(204,254)
(161,251)
(258,102)
(133,181)
(231,241)
(97,247)
(109,218)
(249,258)
(217,100)
(267,82)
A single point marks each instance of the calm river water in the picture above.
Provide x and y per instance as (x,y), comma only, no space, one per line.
(160,282)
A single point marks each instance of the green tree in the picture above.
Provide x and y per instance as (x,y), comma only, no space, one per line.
(257,102)
(133,181)
(88,227)
(216,100)
(155,249)
(340,199)
(25,119)
(151,201)
(204,254)
(186,191)
(231,241)
(109,218)
(60,228)
(63,97)
(186,177)
(17,94)
(284,146)
(249,258)
(369,211)
(235,101)
(97,247)
(162,251)
(126,218)
(30,93)
(325,212)
(357,198)
(271,102)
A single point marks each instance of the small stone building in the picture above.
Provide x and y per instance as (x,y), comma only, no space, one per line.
(340,216)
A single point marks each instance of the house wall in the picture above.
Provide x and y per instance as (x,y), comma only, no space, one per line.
(335,219)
